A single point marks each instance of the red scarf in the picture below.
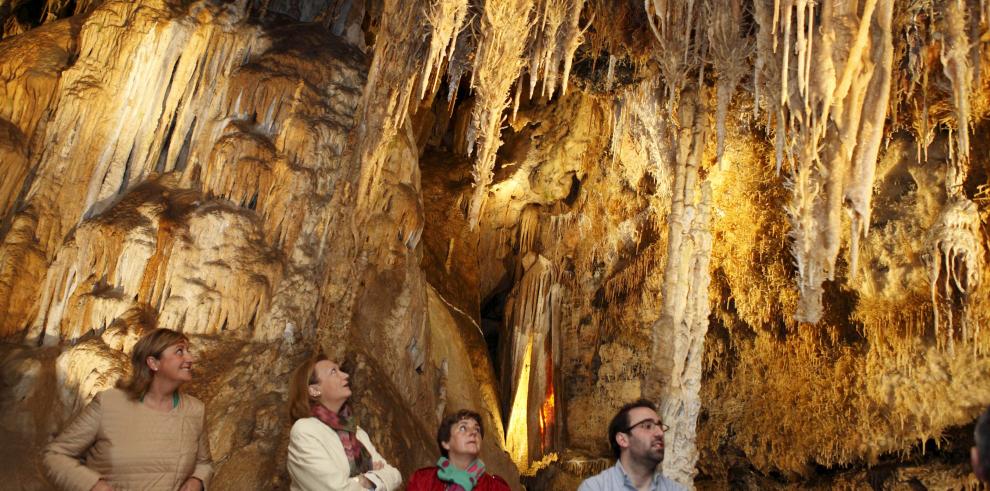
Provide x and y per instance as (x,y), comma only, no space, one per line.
(346,429)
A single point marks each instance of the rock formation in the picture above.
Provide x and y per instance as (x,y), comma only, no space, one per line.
(768,216)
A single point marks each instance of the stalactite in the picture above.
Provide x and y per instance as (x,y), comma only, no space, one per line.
(463,54)
(175,261)
(677,53)
(859,189)
(820,126)
(556,36)
(155,88)
(498,62)
(392,78)
(630,279)
(959,71)
(446,19)
(727,45)
(146,74)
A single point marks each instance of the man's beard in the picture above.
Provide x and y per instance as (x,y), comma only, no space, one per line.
(652,455)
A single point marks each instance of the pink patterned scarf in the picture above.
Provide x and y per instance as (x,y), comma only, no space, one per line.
(346,429)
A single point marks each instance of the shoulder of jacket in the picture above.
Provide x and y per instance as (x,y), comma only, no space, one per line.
(498,482)
(425,471)
(672,483)
(597,481)
(195,405)
(112,396)
(306,425)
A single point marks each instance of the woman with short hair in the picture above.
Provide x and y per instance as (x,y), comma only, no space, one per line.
(144,434)
(459,469)
(328,451)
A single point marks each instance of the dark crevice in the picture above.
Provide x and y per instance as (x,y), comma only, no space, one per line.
(575,191)
(496,339)
(168,86)
(127,172)
(163,153)
(183,158)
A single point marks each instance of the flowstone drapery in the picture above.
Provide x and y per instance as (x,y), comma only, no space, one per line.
(532,360)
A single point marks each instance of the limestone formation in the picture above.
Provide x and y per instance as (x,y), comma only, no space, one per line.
(768,216)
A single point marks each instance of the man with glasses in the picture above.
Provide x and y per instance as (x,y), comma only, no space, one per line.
(636,437)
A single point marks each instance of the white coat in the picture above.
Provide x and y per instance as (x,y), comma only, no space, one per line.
(317,461)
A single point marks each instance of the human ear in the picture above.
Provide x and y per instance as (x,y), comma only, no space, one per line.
(152,363)
(622,439)
(446,445)
(314,391)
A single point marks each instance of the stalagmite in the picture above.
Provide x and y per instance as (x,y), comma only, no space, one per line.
(678,337)
(533,347)
(679,334)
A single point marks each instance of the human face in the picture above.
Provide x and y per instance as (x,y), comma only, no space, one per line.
(174,364)
(465,441)
(644,438)
(332,387)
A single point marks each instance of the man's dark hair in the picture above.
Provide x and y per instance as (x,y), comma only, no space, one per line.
(620,422)
(981,435)
(443,433)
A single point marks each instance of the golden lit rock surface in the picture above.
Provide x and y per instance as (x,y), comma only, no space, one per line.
(769,216)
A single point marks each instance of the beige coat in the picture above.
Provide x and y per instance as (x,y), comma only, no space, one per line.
(317,461)
(130,446)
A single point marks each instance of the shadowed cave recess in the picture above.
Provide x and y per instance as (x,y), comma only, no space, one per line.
(768,216)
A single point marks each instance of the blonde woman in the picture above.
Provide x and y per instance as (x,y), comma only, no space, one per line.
(327,450)
(144,434)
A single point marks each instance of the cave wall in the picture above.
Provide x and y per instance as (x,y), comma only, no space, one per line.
(367,178)
(182,165)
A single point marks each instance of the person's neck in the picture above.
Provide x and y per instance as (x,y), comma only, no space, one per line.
(334,406)
(160,394)
(461,461)
(640,473)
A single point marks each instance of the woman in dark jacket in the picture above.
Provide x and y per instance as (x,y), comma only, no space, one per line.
(459,468)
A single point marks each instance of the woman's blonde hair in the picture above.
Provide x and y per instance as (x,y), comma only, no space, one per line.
(304,375)
(153,343)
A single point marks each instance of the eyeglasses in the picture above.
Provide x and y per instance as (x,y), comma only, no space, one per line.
(648,425)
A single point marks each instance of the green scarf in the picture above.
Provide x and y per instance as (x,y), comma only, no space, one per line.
(460,479)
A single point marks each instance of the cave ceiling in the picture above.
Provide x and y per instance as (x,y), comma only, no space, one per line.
(770,216)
